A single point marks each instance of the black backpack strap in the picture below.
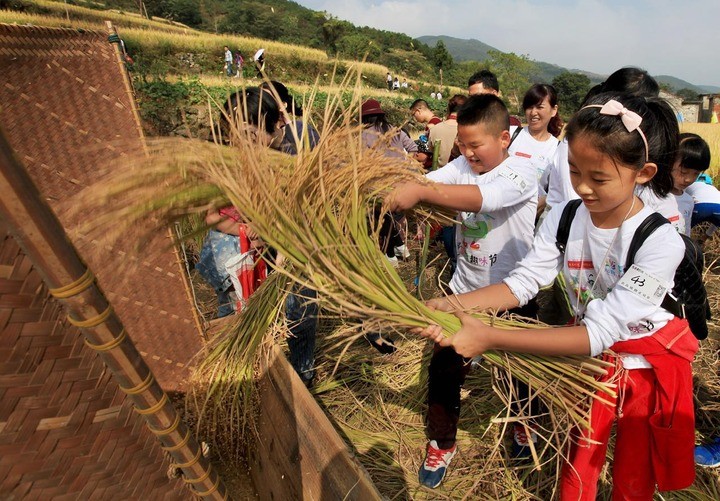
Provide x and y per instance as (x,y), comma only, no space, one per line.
(515,134)
(566,219)
(646,228)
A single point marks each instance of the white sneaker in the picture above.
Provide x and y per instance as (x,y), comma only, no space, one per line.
(393,261)
(402,252)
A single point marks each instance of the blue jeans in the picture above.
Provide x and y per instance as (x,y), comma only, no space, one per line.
(217,249)
(228,68)
(301,311)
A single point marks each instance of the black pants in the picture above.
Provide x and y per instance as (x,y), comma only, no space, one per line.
(446,376)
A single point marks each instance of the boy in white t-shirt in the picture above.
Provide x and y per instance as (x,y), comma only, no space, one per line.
(496,197)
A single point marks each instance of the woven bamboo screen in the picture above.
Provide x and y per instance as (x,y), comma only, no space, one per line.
(66,431)
(67,110)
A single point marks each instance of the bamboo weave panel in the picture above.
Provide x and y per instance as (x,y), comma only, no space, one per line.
(66,431)
(66,111)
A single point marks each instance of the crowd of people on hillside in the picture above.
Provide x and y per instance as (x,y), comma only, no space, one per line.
(393,83)
(573,206)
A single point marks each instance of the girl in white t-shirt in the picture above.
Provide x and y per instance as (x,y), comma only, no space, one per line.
(615,143)
(538,141)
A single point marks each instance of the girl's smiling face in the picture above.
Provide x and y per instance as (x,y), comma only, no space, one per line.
(606,187)
(538,116)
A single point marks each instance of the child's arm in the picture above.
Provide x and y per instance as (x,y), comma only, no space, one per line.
(496,297)
(222,223)
(461,197)
(475,337)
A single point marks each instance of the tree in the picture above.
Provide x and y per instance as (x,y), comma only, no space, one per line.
(513,73)
(441,58)
(357,46)
(571,89)
(332,30)
(688,95)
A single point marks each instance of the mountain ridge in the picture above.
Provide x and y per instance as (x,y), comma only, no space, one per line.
(472,49)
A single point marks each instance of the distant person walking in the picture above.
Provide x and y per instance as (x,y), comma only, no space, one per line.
(389,80)
(396,84)
(239,62)
(228,62)
(259,59)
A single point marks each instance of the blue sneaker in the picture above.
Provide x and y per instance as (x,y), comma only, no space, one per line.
(520,449)
(708,455)
(435,465)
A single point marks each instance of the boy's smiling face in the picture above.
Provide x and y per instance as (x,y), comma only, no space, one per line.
(483,150)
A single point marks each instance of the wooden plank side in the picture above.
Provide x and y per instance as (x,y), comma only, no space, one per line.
(299,454)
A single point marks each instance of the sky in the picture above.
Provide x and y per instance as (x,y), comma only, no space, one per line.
(679,38)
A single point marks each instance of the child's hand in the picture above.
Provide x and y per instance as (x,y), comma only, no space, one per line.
(471,340)
(404,196)
(440,304)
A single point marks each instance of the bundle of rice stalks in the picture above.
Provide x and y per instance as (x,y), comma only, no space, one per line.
(221,396)
(317,209)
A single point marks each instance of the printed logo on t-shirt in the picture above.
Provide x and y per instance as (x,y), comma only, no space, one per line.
(475,228)
(523,154)
(580,265)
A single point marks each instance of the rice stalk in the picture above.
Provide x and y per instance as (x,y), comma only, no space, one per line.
(221,394)
(317,210)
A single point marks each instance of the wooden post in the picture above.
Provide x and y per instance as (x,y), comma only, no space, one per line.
(43,239)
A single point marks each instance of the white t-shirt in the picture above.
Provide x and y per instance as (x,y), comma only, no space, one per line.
(489,243)
(667,206)
(685,205)
(556,178)
(593,265)
(538,153)
(703,193)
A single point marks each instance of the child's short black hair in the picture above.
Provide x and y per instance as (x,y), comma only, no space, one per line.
(284,94)
(485,109)
(693,152)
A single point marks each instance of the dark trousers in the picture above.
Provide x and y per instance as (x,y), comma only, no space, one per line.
(389,235)
(301,311)
(446,376)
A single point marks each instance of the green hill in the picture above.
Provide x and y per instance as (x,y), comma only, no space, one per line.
(461,49)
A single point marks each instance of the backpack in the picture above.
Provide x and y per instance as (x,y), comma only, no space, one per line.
(688,298)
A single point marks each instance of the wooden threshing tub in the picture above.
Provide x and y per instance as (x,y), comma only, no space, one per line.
(88,355)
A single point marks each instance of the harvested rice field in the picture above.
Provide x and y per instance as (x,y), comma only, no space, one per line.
(377,403)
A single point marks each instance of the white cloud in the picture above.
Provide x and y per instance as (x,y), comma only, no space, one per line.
(664,37)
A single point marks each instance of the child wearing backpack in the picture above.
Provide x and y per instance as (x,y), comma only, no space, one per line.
(615,143)
(496,197)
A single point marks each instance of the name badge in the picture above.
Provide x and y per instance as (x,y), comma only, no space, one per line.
(514,178)
(643,284)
